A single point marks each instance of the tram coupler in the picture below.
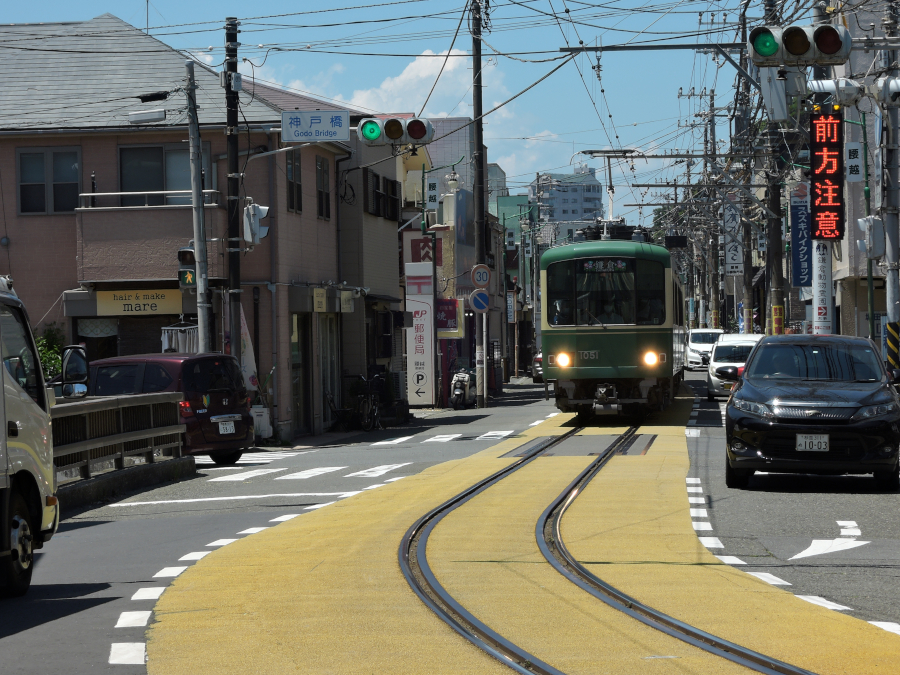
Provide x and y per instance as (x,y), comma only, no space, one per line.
(606,400)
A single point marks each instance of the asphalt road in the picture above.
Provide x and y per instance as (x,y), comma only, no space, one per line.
(82,601)
(830,539)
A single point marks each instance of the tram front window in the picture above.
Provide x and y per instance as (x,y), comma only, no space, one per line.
(605,291)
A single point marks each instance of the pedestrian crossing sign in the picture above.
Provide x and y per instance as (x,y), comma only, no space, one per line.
(187,278)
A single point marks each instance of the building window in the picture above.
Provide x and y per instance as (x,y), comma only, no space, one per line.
(392,199)
(565,211)
(158,168)
(49,179)
(373,197)
(294,193)
(574,210)
(323,192)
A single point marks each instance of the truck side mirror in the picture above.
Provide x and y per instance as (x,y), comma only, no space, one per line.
(74,372)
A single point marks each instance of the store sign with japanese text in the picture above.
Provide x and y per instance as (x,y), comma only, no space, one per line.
(420,336)
(826,147)
(801,248)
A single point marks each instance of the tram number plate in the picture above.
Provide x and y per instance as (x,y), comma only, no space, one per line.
(812,442)
(226,428)
(587,356)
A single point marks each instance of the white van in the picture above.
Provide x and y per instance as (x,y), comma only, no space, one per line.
(698,345)
(29,510)
(729,350)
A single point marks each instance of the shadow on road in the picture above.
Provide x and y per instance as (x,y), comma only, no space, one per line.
(46,603)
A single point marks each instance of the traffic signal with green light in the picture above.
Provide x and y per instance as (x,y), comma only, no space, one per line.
(816,45)
(394,131)
(187,268)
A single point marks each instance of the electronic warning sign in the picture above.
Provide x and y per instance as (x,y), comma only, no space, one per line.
(826,148)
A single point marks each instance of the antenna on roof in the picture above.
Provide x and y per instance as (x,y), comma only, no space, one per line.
(147,5)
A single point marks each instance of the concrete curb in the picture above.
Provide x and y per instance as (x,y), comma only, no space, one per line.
(114,483)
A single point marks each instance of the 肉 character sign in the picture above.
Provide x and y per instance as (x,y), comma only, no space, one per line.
(826,147)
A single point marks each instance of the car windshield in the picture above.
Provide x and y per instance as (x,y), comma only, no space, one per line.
(732,353)
(704,338)
(829,361)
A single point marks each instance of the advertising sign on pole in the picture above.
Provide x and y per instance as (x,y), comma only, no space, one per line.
(510,307)
(801,245)
(420,336)
(821,304)
(731,226)
(826,149)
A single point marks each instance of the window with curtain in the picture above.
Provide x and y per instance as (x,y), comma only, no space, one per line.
(49,180)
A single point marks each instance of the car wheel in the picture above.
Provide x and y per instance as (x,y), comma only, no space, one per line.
(227,458)
(736,478)
(889,481)
(17,568)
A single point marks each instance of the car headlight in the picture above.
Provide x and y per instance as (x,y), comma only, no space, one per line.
(758,409)
(871,411)
(693,351)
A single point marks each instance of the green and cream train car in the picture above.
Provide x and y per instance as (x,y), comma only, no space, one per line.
(612,326)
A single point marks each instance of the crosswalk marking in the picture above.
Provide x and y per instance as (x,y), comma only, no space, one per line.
(244,476)
(393,441)
(494,435)
(310,473)
(255,457)
(376,471)
(442,438)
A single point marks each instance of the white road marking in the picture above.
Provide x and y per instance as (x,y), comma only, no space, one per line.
(376,471)
(821,546)
(730,560)
(696,500)
(494,435)
(255,457)
(846,523)
(318,506)
(393,441)
(699,513)
(169,572)
(221,542)
(128,653)
(281,519)
(196,555)
(253,530)
(133,619)
(692,480)
(889,626)
(310,473)
(391,480)
(534,424)
(711,542)
(442,438)
(695,489)
(701,525)
(245,476)
(148,593)
(851,532)
(692,433)
(553,414)
(769,578)
(822,602)
(237,497)
(377,485)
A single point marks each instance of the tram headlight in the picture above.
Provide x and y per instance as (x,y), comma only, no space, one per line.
(563,360)
(651,359)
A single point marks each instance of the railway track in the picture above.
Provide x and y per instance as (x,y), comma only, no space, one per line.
(414,564)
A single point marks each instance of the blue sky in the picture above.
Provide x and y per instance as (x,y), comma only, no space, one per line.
(636,100)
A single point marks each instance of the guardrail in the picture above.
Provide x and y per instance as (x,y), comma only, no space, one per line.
(96,435)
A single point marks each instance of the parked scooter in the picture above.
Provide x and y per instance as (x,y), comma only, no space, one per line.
(463,389)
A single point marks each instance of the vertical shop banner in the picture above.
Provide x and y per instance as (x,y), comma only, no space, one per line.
(826,148)
(821,304)
(801,245)
(731,227)
(854,162)
(248,358)
(432,198)
(510,307)
(420,336)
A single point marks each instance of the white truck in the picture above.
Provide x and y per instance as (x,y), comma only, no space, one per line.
(29,509)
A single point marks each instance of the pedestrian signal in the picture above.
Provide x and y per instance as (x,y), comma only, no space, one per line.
(187,268)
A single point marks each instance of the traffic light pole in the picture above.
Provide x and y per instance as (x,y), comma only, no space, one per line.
(774,246)
(196,152)
(891,187)
(478,161)
(233,184)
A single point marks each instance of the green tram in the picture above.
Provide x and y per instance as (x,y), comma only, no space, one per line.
(612,326)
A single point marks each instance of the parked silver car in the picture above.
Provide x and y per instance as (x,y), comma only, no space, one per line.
(537,369)
(729,350)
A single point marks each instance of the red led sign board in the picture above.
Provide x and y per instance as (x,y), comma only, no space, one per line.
(826,200)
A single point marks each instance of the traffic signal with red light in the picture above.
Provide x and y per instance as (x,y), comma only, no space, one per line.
(394,131)
(816,45)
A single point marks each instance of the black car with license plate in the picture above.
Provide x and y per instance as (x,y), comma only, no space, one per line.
(820,404)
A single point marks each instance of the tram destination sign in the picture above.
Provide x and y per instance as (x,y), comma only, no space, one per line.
(826,147)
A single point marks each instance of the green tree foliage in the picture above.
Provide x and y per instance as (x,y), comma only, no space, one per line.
(49,345)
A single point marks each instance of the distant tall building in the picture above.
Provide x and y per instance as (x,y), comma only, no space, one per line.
(496,186)
(568,197)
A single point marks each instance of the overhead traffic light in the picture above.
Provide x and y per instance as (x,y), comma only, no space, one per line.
(886,91)
(873,244)
(187,267)
(816,45)
(394,131)
(842,90)
(253,231)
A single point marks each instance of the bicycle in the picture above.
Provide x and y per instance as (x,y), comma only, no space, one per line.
(368,403)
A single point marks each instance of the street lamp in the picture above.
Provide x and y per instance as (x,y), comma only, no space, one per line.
(452,179)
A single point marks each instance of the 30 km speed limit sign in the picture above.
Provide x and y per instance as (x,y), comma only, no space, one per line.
(481,276)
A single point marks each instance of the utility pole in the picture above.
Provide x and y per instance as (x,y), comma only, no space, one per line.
(478,160)
(774,246)
(233,196)
(891,187)
(196,153)
(714,252)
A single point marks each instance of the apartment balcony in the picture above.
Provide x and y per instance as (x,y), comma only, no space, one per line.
(132,236)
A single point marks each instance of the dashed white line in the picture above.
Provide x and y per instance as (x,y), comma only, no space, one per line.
(376,471)
(393,441)
(133,619)
(238,497)
(889,626)
(253,530)
(318,506)
(221,542)
(534,424)
(711,542)
(310,473)
(441,438)
(699,513)
(552,415)
(196,555)
(701,525)
(494,435)
(281,519)
(770,579)
(169,572)
(822,602)
(128,653)
(244,476)
(377,485)
(152,593)
(695,489)
(391,480)
(696,500)
(692,480)
(730,560)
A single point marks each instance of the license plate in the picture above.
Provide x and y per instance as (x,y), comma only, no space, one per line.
(727,385)
(228,428)
(812,442)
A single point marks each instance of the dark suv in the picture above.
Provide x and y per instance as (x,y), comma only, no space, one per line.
(216,406)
